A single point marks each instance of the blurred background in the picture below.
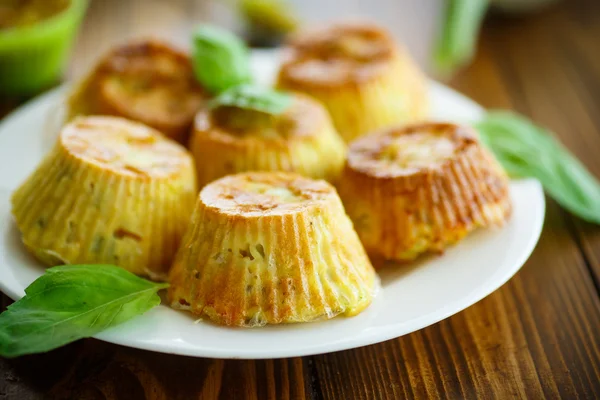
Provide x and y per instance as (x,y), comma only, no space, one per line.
(415,22)
(420,24)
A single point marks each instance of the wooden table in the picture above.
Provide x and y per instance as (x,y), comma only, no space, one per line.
(538,336)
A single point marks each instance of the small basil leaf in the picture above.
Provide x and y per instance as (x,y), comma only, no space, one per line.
(220,59)
(68,303)
(252,97)
(526,150)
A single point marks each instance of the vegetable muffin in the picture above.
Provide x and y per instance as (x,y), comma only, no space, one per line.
(270,248)
(365,80)
(111,191)
(302,139)
(421,188)
(149,81)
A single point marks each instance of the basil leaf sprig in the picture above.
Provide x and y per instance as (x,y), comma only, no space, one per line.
(68,303)
(220,59)
(222,65)
(253,97)
(526,150)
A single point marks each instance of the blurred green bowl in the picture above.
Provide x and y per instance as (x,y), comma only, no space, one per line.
(33,57)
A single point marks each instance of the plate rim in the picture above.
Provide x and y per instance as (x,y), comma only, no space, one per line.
(387,333)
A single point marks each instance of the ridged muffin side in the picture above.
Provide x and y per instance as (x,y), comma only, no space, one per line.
(270,248)
(421,189)
(302,140)
(366,81)
(111,191)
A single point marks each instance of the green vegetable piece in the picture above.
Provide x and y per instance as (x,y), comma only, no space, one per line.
(273,16)
(252,97)
(71,302)
(221,59)
(456,42)
(268,21)
(526,150)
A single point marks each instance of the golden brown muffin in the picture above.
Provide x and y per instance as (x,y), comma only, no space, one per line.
(420,189)
(270,248)
(149,81)
(302,139)
(364,79)
(112,191)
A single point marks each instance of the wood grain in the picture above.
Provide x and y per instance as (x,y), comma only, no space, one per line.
(569,105)
(536,337)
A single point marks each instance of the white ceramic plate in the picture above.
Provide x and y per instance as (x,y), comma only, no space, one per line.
(412,297)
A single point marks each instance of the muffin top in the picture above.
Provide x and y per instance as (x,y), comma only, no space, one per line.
(338,54)
(124,147)
(147,81)
(265,193)
(305,117)
(409,150)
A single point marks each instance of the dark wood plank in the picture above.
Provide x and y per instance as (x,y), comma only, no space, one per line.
(93,369)
(578,51)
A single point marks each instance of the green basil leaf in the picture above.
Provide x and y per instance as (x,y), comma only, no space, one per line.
(220,59)
(526,150)
(71,302)
(252,97)
(458,36)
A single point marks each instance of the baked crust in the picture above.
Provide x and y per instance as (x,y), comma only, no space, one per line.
(339,55)
(366,81)
(270,248)
(111,191)
(420,189)
(302,139)
(148,81)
